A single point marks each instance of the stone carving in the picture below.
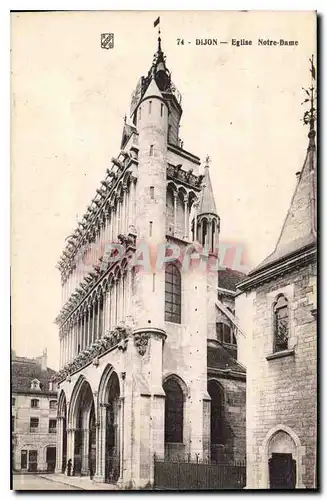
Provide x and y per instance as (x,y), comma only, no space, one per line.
(141,341)
(116,337)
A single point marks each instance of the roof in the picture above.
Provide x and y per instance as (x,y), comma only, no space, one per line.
(24,370)
(223,358)
(152,91)
(207,204)
(299,228)
(228,278)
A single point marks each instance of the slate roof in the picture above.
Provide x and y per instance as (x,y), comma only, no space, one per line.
(228,278)
(24,370)
(223,358)
(207,204)
(300,224)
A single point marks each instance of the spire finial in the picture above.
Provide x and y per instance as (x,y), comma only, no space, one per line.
(157,23)
(310,116)
(207,161)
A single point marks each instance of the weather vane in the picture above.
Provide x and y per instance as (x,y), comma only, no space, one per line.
(310,115)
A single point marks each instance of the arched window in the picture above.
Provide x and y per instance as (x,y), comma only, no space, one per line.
(281,324)
(172,294)
(218,431)
(174,406)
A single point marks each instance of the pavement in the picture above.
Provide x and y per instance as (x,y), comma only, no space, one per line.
(23,482)
(57,482)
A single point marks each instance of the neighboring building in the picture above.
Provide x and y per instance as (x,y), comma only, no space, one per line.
(142,371)
(34,414)
(276,308)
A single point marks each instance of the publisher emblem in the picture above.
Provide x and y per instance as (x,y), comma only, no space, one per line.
(107,40)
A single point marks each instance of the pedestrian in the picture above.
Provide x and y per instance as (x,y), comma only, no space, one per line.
(69,467)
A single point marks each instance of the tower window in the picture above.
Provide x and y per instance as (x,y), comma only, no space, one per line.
(161,109)
(152,192)
(150,106)
(140,113)
(174,406)
(172,294)
(150,230)
(281,324)
(151,150)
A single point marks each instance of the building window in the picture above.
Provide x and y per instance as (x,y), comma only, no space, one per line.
(52,426)
(23,459)
(151,150)
(34,424)
(281,324)
(172,294)
(150,105)
(13,401)
(225,334)
(174,405)
(52,404)
(218,430)
(35,403)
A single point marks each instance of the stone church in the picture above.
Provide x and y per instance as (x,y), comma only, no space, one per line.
(276,306)
(148,349)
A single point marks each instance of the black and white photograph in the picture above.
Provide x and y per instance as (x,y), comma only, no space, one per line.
(164,250)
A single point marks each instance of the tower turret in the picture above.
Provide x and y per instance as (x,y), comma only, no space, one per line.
(208,221)
(152,125)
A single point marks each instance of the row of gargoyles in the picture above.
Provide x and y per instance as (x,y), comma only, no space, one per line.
(118,335)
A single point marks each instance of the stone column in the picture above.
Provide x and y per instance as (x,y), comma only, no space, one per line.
(185,217)
(175,212)
(85,451)
(195,221)
(89,326)
(101,443)
(70,445)
(59,444)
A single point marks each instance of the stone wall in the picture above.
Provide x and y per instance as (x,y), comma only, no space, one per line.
(282,391)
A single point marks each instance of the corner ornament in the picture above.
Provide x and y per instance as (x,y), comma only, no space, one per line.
(141,341)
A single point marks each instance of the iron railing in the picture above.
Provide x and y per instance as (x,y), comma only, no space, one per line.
(195,474)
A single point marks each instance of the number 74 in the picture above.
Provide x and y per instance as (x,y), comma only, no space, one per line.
(180,41)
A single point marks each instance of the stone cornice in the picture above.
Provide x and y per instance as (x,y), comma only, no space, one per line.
(228,373)
(184,154)
(283,266)
(118,337)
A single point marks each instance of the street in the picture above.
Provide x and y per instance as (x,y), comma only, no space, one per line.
(35,482)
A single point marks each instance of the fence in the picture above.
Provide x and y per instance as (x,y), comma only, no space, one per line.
(189,474)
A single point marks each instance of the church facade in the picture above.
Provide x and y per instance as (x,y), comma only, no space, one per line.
(144,367)
(276,306)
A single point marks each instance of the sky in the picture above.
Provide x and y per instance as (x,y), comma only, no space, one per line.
(241,105)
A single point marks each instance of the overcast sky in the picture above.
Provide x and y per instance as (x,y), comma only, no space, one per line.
(241,105)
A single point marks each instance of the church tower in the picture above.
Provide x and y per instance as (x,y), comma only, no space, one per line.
(134,329)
